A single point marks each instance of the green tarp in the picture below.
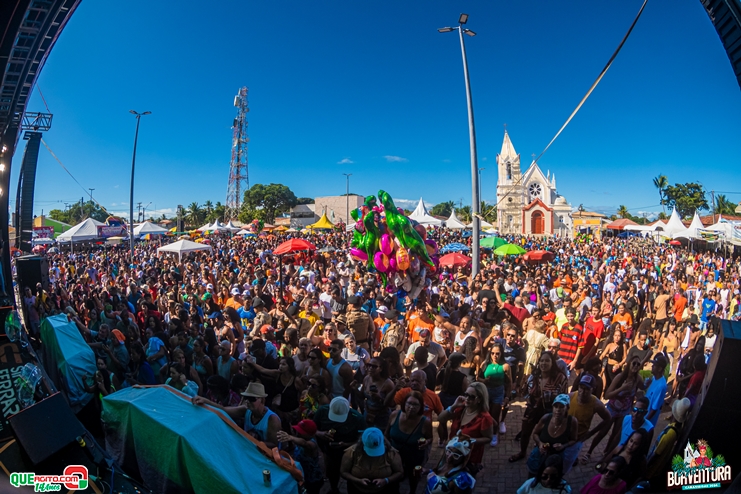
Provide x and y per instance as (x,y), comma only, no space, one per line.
(181,447)
(67,358)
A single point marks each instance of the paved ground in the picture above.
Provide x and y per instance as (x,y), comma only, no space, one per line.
(501,477)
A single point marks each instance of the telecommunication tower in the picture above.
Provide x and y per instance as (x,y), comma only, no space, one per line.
(239,180)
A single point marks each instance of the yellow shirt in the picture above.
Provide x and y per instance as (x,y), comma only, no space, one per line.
(310,316)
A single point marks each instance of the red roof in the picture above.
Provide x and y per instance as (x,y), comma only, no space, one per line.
(620,224)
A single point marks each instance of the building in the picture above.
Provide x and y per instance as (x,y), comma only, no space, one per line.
(589,222)
(336,207)
(528,203)
(303,215)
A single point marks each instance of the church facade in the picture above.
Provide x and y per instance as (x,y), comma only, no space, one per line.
(528,203)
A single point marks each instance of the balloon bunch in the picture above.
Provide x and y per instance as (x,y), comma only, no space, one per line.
(255,227)
(392,245)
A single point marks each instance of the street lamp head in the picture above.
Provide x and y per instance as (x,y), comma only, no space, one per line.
(147,113)
(463,19)
(446,29)
(133,112)
(469,32)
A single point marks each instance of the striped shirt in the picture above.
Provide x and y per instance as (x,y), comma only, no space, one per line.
(569,342)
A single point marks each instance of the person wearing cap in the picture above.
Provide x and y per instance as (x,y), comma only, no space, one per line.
(371,465)
(338,427)
(659,458)
(435,353)
(306,453)
(555,433)
(259,421)
(262,316)
(235,301)
(360,324)
(656,391)
(226,365)
(584,406)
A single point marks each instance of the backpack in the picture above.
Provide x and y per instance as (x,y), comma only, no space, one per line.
(393,337)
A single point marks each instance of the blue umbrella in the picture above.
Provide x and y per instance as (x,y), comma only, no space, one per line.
(454,247)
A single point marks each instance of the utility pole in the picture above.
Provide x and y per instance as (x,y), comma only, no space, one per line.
(347,198)
(139,212)
(91,194)
(712,198)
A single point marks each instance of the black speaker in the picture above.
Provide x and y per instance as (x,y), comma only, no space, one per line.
(32,270)
(46,428)
(717,411)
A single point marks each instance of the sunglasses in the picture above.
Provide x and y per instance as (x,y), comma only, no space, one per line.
(552,347)
(639,410)
(456,455)
(511,335)
(469,396)
(251,399)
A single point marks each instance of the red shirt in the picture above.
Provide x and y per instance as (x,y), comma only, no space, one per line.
(474,428)
(432,401)
(520,313)
(570,336)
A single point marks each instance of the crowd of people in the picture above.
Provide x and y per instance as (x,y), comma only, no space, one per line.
(309,353)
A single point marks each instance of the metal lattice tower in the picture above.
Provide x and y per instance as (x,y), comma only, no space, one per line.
(239,180)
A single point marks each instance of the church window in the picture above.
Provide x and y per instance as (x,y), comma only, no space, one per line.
(560,219)
(536,191)
(509,171)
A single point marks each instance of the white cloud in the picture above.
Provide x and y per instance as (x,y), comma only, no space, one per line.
(115,186)
(650,215)
(345,161)
(395,159)
(410,204)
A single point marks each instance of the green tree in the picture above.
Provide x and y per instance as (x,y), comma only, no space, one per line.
(464,214)
(272,200)
(724,206)
(489,212)
(218,212)
(442,209)
(306,200)
(663,216)
(686,198)
(661,183)
(208,206)
(622,211)
(79,212)
(194,214)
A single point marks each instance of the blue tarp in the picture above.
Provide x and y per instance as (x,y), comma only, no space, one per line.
(67,358)
(180,447)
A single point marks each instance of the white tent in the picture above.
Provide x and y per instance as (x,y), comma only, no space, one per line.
(232,227)
(87,230)
(482,223)
(691,232)
(454,223)
(724,227)
(674,225)
(183,247)
(421,216)
(206,228)
(149,227)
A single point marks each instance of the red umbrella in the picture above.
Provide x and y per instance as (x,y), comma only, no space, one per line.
(454,259)
(293,245)
(539,256)
(675,242)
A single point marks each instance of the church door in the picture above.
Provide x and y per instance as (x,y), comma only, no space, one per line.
(537,223)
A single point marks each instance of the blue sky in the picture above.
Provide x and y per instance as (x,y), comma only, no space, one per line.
(371,88)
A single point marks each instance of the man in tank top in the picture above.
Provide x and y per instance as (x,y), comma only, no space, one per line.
(339,370)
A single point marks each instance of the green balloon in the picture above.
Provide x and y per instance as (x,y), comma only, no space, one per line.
(370,239)
(402,229)
(355,215)
(370,202)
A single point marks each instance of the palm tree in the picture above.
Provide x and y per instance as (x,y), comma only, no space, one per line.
(489,212)
(623,211)
(723,205)
(661,183)
(193,214)
(663,216)
(464,214)
(208,206)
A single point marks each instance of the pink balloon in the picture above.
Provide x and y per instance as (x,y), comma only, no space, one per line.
(359,254)
(431,246)
(381,261)
(392,263)
(422,232)
(386,244)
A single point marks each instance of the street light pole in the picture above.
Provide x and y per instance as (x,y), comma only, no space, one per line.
(480,170)
(347,198)
(131,196)
(475,203)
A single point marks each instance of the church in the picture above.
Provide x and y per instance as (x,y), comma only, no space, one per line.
(528,203)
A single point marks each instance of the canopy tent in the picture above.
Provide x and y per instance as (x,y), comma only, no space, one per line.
(693,231)
(454,259)
(68,358)
(205,228)
(454,223)
(232,227)
(293,245)
(322,224)
(181,459)
(183,247)
(149,227)
(723,227)
(482,224)
(640,228)
(620,224)
(87,230)
(421,216)
(674,225)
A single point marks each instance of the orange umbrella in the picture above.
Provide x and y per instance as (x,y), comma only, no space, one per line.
(454,259)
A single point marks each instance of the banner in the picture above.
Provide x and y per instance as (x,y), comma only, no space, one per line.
(43,232)
(710,235)
(111,231)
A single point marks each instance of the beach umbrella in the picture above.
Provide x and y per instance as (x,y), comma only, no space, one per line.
(492,242)
(293,245)
(509,250)
(454,259)
(454,247)
(539,256)
(328,248)
(675,242)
